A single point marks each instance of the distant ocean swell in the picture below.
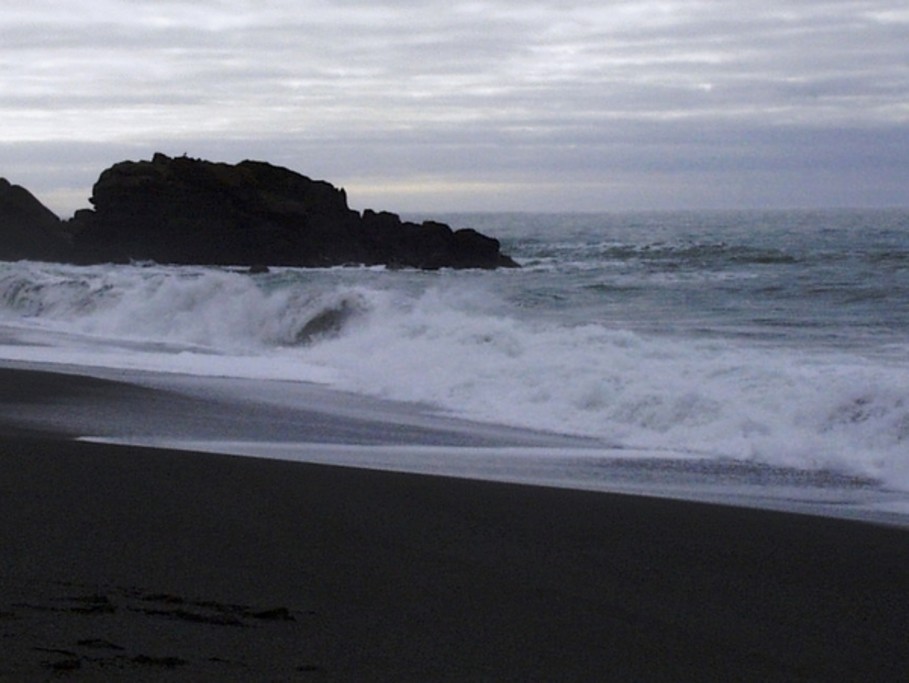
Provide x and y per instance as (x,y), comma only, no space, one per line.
(463,343)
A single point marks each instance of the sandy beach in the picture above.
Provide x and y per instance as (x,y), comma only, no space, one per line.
(141,564)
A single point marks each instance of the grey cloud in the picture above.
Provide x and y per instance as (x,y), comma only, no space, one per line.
(586,91)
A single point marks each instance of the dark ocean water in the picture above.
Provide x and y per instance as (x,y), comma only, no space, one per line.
(838,278)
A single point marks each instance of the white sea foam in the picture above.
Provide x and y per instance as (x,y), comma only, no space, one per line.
(720,398)
(452,341)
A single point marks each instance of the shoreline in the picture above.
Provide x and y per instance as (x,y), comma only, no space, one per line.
(162,564)
(305,422)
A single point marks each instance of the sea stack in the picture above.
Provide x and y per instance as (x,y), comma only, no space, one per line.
(190,211)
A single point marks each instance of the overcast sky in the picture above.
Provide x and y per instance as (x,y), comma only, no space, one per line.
(431,105)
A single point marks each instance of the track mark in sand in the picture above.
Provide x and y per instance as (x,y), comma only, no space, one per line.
(167,662)
(92,604)
(208,612)
(98,644)
(64,665)
(74,661)
(97,617)
(54,651)
(82,604)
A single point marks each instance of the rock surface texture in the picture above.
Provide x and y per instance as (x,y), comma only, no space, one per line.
(28,230)
(190,211)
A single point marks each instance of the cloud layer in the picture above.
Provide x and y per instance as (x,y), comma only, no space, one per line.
(474,105)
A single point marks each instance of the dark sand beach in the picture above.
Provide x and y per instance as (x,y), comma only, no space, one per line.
(141,564)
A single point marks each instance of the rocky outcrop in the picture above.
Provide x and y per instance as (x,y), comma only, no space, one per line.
(29,230)
(190,211)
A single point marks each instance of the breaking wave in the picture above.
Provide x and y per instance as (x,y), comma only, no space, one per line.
(213,309)
(454,342)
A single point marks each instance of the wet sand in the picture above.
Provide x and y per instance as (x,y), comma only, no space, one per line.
(143,564)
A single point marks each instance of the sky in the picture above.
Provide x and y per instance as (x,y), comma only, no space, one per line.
(505,105)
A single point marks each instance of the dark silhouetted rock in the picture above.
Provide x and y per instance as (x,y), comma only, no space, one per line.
(28,229)
(190,211)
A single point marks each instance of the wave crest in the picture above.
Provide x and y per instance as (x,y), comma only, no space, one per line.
(216,309)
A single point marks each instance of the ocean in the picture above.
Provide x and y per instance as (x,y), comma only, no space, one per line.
(767,346)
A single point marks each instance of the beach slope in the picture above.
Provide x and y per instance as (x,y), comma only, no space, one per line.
(203,567)
(143,564)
